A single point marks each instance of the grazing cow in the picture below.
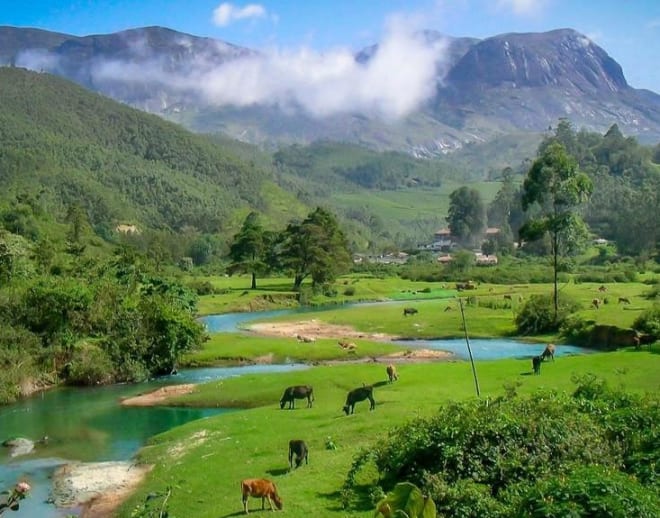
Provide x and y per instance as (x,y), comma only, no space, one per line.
(359,394)
(624,300)
(306,339)
(260,487)
(596,303)
(548,352)
(448,308)
(300,450)
(507,297)
(409,311)
(297,392)
(602,288)
(391,373)
(536,364)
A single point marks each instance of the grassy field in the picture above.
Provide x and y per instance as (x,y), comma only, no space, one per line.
(488,314)
(204,461)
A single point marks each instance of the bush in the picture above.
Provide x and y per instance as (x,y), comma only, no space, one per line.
(90,365)
(349,291)
(202,287)
(576,329)
(329,291)
(649,321)
(596,491)
(544,455)
(538,314)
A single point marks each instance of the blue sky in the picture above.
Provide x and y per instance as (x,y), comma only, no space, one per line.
(629,30)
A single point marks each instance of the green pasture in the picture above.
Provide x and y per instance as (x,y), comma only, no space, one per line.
(410,205)
(236,295)
(204,461)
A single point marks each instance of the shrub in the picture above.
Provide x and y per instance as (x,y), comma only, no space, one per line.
(537,315)
(202,287)
(330,291)
(349,291)
(589,491)
(90,365)
(544,455)
(649,321)
(466,498)
(576,329)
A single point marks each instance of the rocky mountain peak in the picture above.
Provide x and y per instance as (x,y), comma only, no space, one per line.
(563,58)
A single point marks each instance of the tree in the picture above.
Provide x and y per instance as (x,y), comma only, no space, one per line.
(556,187)
(467,214)
(249,249)
(317,247)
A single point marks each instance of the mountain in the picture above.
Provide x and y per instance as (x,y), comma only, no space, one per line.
(482,88)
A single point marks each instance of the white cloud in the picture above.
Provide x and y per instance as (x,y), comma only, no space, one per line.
(398,78)
(393,83)
(227,13)
(38,60)
(523,7)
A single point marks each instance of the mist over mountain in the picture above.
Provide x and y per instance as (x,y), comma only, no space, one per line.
(425,93)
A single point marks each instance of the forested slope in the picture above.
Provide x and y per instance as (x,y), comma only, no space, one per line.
(70,146)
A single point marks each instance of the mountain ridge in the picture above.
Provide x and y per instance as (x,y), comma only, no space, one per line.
(483,87)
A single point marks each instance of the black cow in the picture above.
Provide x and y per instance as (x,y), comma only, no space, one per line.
(297,392)
(300,450)
(359,394)
(536,364)
(409,311)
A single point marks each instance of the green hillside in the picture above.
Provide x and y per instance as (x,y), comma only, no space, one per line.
(66,145)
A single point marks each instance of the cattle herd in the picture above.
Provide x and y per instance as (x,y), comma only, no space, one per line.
(298,450)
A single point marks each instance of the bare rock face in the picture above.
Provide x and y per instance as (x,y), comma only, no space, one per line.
(562,58)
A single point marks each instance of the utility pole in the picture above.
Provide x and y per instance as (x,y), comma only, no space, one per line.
(467,341)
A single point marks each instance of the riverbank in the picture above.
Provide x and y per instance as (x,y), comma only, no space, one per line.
(158,396)
(96,488)
(315,329)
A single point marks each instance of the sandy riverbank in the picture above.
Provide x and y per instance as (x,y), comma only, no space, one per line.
(315,329)
(98,488)
(158,396)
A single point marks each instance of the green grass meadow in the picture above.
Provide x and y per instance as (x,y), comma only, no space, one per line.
(204,461)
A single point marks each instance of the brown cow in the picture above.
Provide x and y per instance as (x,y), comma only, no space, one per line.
(260,487)
(596,303)
(602,288)
(391,373)
(409,311)
(624,300)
